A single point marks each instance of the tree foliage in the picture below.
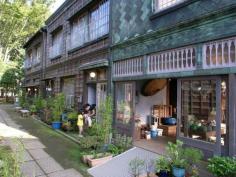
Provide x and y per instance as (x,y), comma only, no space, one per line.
(19,20)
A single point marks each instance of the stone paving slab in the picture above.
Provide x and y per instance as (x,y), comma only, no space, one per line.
(38,154)
(31,169)
(26,156)
(49,165)
(65,173)
(36,162)
(34,145)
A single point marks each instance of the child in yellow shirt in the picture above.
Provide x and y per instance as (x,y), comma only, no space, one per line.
(80,123)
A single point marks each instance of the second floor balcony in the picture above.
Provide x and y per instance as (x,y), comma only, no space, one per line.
(207,56)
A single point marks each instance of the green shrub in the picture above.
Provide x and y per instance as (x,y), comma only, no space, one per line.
(40,103)
(33,109)
(123,142)
(89,142)
(58,106)
(222,166)
(105,111)
(186,158)
(163,164)
(72,115)
(9,163)
(113,149)
(136,166)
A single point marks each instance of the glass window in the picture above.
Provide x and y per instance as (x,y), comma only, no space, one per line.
(198,109)
(164,4)
(79,32)
(38,54)
(124,103)
(99,20)
(57,42)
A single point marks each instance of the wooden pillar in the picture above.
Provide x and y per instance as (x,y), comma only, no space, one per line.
(57,85)
(79,88)
(232,117)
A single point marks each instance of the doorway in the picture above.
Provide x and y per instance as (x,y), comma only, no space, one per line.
(91,92)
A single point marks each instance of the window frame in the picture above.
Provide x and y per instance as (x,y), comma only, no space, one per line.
(215,148)
(155,14)
(156,9)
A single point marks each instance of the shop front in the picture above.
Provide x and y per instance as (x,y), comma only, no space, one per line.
(198,101)
(194,110)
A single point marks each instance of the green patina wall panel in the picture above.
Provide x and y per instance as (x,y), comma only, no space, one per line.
(134,34)
(220,28)
(131,18)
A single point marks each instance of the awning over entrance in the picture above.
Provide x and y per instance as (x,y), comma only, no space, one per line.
(95,64)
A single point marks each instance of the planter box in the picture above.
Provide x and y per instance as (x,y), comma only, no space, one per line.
(85,158)
(99,161)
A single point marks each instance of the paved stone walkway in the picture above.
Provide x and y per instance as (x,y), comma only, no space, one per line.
(36,162)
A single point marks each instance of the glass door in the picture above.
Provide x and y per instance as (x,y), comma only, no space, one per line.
(124,103)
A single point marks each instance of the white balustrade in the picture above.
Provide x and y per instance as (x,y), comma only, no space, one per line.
(183,59)
(131,67)
(218,54)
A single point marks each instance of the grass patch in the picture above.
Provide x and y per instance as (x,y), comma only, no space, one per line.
(67,153)
(9,163)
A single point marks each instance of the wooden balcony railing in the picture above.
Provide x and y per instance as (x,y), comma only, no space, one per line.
(218,54)
(131,67)
(183,59)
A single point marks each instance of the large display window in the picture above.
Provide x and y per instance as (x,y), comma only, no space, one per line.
(200,111)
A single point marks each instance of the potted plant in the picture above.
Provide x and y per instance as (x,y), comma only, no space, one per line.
(222,166)
(175,153)
(136,167)
(95,158)
(88,143)
(33,110)
(163,167)
(57,108)
(193,157)
(72,118)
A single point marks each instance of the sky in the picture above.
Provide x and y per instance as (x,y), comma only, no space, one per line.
(56,5)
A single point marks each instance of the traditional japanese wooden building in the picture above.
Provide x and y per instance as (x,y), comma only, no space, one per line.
(33,63)
(76,52)
(176,58)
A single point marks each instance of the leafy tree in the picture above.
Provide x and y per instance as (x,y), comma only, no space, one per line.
(19,19)
(10,80)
